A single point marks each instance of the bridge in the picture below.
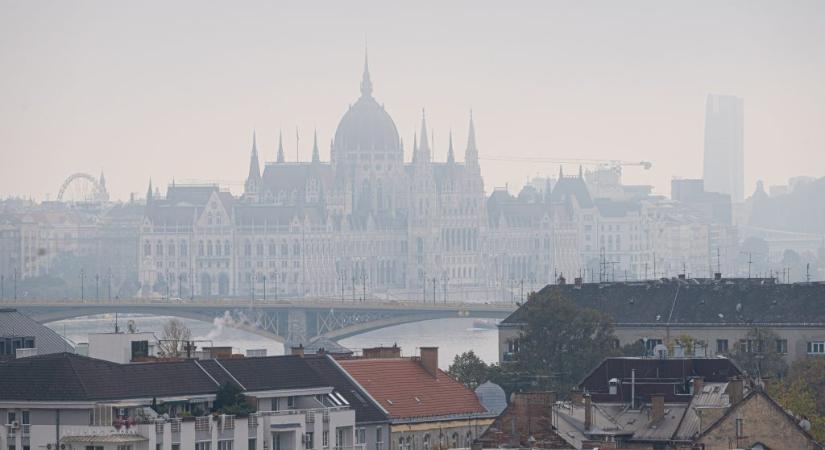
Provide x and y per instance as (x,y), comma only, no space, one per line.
(289,322)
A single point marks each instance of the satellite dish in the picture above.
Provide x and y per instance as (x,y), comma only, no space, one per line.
(131,327)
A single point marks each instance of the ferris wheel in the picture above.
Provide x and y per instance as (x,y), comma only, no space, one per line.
(83,188)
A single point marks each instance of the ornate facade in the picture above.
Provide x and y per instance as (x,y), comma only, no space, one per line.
(365,223)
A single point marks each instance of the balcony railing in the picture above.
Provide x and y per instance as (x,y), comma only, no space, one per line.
(290,412)
(350,447)
(174,425)
(228,422)
(26,429)
(203,423)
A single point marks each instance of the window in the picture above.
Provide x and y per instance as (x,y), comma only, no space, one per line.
(426,442)
(225,445)
(274,404)
(782,346)
(816,348)
(90,447)
(650,344)
(290,402)
(124,447)
(721,346)
(379,438)
(12,417)
(361,436)
(740,425)
(206,445)
(251,444)
(147,249)
(309,441)
(325,439)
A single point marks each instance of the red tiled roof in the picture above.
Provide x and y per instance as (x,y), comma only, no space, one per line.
(404,389)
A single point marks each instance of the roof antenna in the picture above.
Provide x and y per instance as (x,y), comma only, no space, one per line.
(116,330)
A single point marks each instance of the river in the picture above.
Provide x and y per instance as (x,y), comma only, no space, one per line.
(452,336)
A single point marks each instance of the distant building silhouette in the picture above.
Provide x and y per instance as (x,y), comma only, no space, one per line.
(724,146)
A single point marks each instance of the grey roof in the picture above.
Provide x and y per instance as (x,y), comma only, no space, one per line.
(572,187)
(492,397)
(713,395)
(739,301)
(16,324)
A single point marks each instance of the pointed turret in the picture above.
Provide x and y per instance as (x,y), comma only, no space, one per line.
(423,150)
(450,153)
(581,174)
(561,172)
(471,154)
(316,157)
(149,192)
(280,157)
(253,180)
(366,83)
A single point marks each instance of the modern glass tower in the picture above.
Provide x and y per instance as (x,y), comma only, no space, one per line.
(724,146)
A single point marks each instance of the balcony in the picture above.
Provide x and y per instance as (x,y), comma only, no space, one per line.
(203,423)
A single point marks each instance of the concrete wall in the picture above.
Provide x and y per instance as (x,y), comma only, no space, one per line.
(440,434)
(797,337)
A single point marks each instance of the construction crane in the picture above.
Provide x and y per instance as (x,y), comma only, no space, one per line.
(603,163)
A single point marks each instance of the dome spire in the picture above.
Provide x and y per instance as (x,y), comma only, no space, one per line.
(366,83)
(280,157)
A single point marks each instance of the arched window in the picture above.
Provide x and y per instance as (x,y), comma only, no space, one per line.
(247,248)
(272,248)
(259,248)
(454,441)
(217,248)
(171,248)
(209,218)
(426,442)
(147,248)
(208,248)
(183,248)
(159,248)
(200,248)
(226,248)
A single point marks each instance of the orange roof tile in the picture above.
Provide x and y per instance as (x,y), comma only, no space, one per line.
(404,389)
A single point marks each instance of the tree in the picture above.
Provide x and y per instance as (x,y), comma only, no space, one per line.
(230,400)
(561,342)
(469,369)
(801,399)
(176,337)
(757,354)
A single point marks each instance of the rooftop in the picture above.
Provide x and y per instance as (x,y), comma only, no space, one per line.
(694,301)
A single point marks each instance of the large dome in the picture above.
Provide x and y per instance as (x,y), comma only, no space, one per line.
(366,126)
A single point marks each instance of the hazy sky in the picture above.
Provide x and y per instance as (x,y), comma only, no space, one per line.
(174,89)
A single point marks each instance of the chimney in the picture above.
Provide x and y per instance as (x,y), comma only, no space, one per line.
(682,276)
(429,360)
(381,352)
(698,384)
(588,413)
(717,276)
(657,407)
(297,351)
(576,397)
(735,387)
(578,281)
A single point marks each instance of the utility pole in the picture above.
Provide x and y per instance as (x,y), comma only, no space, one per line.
(97,287)
(353,287)
(15,283)
(808,272)
(180,287)
(82,280)
(2,286)
(434,290)
(445,287)
(276,287)
(110,284)
(364,282)
(718,262)
(522,291)
(264,288)
(343,280)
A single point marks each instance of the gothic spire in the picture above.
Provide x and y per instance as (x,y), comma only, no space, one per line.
(450,153)
(316,157)
(471,154)
(561,172)
(280,157)
(149,192)
(424,148)
(366,83)
(580,171)
(254,178)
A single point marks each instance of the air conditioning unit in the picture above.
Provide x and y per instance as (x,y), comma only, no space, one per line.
(13,426)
